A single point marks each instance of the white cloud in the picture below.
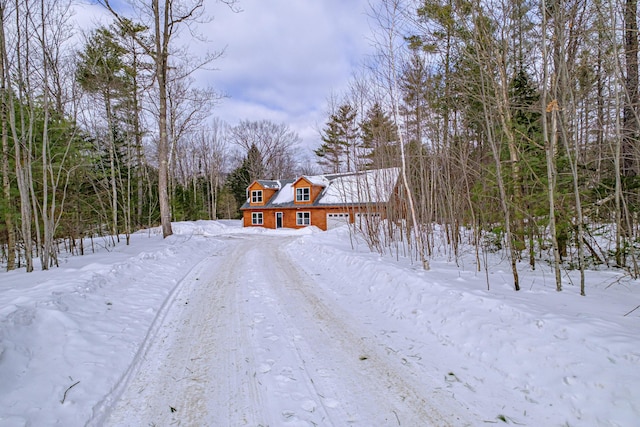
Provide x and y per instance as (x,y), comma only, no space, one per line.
(284,58)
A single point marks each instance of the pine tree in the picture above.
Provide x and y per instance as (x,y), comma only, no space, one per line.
(331,152)
(101,71)
(526,120)
(255,164)
(241,177)
(340,141)
(379,139)
(237,183)
(414,85)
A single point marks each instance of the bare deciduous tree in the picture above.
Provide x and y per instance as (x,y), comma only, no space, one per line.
(164,19)
(276,143)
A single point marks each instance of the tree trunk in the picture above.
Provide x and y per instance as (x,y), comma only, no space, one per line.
(47,222)
(392,10)
(161,22)
(550,143)
(496,106)
(22,159)
(503,198)
(631,126)
(550,148)
(6,182)
(112,164)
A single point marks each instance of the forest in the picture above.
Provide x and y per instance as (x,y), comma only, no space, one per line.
(514,124)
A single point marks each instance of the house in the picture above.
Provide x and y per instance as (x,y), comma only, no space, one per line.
(324,201)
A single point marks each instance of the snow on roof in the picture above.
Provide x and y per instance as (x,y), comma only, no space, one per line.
(372,186)
(285,195)
(364,187)
(319,180)
(270,184)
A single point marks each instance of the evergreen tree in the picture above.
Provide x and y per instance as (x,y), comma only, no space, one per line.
(241,177)
(255,164)
(526,121)
(340,138)
(379,139)
(331,152)
(101,68)
(414,85)
(237,183)
(102,72)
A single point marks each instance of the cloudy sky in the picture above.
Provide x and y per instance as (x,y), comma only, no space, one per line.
(284,58)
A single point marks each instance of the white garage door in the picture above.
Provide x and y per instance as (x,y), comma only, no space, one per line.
(337,219)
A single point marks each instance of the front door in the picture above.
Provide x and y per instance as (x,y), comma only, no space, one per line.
(278,219)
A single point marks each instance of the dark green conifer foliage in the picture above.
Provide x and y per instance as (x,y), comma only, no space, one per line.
(379,139)
(241,177)
(255,164)
(337,152)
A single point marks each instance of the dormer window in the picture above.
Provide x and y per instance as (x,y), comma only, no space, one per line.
(303,194)
(256,196)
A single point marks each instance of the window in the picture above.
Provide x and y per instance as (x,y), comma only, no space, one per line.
(303,218)
(256,218)
(303,194)
(256,196)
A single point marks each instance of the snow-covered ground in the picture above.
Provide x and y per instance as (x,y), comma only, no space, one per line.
(223,326)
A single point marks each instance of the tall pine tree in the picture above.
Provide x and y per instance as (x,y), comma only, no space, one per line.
(379,139)
(340,141)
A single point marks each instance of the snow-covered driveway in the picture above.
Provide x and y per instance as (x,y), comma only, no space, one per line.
(224,326)
(250,339)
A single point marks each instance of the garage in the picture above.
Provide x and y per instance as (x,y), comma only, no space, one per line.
(337,219)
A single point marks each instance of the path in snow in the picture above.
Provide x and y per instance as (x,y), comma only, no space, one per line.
(248,339)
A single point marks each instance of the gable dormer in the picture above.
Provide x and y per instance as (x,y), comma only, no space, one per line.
(306,189)
(261,191)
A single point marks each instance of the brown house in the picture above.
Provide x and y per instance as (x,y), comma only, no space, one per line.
(324,201)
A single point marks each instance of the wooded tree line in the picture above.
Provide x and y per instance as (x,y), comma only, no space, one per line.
(515,125)
(517,121)
(96,127)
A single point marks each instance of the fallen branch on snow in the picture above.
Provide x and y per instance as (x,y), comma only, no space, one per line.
(637,307)
(64,397)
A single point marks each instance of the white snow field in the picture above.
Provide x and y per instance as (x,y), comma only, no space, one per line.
(223,326)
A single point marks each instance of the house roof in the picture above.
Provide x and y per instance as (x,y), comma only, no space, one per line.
(319,180)
(274,184)
(373,186)
(365,187)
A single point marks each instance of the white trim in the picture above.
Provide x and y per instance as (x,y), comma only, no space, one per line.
(300,218)
(257,218)
(256,196)
(301,197)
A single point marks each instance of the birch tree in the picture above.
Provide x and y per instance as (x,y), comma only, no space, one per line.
(388,19)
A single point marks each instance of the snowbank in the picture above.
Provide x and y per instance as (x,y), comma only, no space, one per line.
(537,357)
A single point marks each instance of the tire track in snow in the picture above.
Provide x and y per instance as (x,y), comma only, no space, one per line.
(341,363)
(142,360)
(249,339)
(200,354)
